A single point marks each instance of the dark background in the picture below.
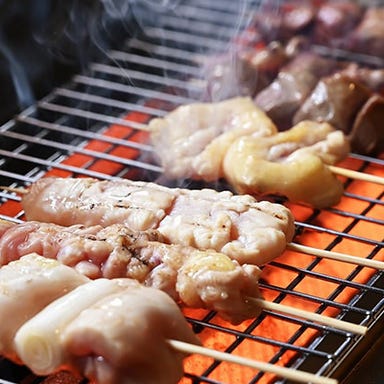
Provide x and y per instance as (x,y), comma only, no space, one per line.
(44,42)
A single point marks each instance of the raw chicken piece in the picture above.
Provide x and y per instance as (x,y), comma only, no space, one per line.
(85,248)
(203,279)
(110,331)
(292,163)
(215,281)
(246,230)
(191,141)
(26,287)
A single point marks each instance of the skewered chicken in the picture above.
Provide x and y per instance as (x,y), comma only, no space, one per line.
(292,163)
(335,99)
(246,71)
(192,140)
(26,287)
(265,161)
(334,22)
(367,133)
(94,251)
(203,279)
(340,23)
(110,331)
(241,73)
(367,37)
(248,231)
(282,21)
(294,82)
(342,100)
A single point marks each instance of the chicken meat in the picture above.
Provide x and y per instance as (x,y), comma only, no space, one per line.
(110,331)
(294,82)
(239,226)
(292,163)
(194,278)
(192,140)
(26,287)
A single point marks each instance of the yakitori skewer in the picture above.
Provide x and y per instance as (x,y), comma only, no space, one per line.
(236,296)
(236,141)
(287,373)
(325,320)
(356,175)
(376,264)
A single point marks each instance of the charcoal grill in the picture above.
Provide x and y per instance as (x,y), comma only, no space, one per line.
(95,125)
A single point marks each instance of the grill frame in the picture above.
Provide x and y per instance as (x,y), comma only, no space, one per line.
(64,122)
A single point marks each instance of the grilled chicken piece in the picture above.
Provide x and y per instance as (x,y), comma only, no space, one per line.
(336,100)
(368,35)
(26,287)
(292,163)
(248,231)
(191,141)
(110,331)
(295,81)
(369,77)
(367,133)
(201,279)
(256,162)
(334,22)
(282,21)
(343,101)
(246,71)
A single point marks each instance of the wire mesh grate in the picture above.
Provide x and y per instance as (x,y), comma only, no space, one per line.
(96,126)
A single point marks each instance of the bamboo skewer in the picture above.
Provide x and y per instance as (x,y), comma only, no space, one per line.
(325,320)
(356,175)
(352,174)
(19,191)
(376,264)
(287,373)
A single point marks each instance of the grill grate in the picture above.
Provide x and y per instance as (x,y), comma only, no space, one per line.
(96,126)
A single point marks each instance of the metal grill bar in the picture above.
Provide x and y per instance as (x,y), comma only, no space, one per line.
(131,90)
(83,134)
(155,63)
(136,75)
